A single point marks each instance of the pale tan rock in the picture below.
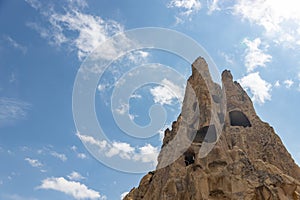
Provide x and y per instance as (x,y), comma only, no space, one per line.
(249,161)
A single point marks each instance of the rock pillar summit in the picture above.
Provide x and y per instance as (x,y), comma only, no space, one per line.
(247,160)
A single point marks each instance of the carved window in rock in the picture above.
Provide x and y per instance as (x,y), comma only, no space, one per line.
(238,118)
(189,157)
(206,134)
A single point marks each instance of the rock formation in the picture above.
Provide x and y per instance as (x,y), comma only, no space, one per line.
(248,161)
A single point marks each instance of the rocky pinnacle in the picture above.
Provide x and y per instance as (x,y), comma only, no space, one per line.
(219,149)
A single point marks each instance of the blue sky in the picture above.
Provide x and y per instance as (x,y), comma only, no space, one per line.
(44,43)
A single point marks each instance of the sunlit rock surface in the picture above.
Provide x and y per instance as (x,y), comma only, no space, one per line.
(249,161)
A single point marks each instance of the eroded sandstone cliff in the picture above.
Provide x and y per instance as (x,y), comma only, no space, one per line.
(248,159)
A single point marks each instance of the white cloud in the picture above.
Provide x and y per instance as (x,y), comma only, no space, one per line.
(213,5)
(122,109)
(91,30)
(123,195)
(280,19)
(277,84)
(16,45)
(34,162)
(254,56)
(146,153)
(136,96)
(259,88)
(74,148)
(62,157)
(186,7)
(46,34)
(138,57)
(81,156)
(102,87)
(78,3)
(132,117)
(75,189)
(85,31)
(75,176)
(12,110)
(88,139)
(167,93)
(24,148)
(229,59)
(124,150)
(34,3)
(288,83)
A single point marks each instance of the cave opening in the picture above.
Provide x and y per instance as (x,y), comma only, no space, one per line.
(238,118)
(189,157)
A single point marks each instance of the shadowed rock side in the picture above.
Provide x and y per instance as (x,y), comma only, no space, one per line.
(248,162)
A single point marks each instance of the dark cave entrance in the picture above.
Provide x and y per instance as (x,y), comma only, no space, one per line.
(238,118)
(189,157)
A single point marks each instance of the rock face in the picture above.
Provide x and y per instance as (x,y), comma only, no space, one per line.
(247,162)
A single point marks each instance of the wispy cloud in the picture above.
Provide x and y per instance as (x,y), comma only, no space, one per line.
(15,44)
(275,16)
(34,3)
(78,3)
(91,140)
(34,162)
(79,155)
(60,156)
(167,93)
(87,31)
(260,89)
(75,176)
(185,7)
(122,109)
(145,154)
(277,84)
(229,59)
(12,110)
(102,87)
(254,56)
(91,30)
(72,188)
(138,57)
(288,83)
(213,5)
(279,19)
(136,96)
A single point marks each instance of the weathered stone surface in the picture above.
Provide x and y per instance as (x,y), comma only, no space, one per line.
(248,161)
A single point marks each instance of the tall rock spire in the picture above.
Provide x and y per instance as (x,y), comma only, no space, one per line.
(219,149)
